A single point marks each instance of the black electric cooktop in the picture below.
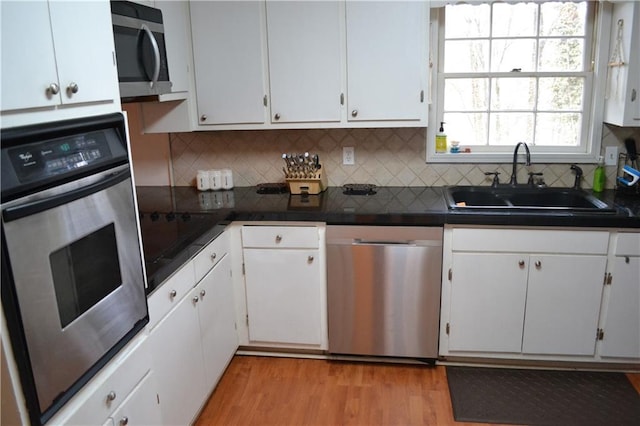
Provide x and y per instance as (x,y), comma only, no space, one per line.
(171,239)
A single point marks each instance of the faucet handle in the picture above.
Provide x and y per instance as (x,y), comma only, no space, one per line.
(532,180)
(496,179)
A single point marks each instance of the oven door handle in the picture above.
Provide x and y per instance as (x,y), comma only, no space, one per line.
(33,207)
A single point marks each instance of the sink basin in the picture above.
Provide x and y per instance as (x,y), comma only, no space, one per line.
(525,198)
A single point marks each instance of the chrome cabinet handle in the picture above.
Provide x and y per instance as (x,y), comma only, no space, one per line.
(354,113)
(213,257)
(111,396)
(277,116)
(156,54)
(521,263)
(202,294)
(124,421)
(195,299)
(203,117)
(72,88)
(278,238)
(53,89)
(538,264)
(173,294)
(310,259)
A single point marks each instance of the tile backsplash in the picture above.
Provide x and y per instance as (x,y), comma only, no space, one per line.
(385,157)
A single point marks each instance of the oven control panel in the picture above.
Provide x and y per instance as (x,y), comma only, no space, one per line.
(45,159)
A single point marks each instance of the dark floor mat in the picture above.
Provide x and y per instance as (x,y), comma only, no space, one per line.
(541,397)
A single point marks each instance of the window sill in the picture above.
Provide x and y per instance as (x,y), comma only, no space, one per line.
(480,158)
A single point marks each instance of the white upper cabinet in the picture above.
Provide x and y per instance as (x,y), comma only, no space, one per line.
(265,64)
(622,106)
(386,60)
(29,67)
(305,60)
(57,53)
(229,61)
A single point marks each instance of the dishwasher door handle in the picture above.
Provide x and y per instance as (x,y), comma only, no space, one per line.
(360,242)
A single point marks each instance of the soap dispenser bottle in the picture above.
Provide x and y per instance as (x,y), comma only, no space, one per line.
(599,176)
(441,140)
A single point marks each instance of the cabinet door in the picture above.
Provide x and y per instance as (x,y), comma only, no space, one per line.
(488,294)
(304,60)
(177,362)
(622,322)
(84,49)
(141,405)
(229,61)
(623,82)
(563,304)
(386,59)
(283,296)
(28,59)
(216,312)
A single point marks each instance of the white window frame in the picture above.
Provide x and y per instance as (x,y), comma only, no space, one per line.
(593,107)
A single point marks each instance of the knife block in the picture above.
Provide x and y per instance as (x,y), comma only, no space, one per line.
(311,186)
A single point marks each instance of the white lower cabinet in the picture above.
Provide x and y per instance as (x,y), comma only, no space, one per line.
(192,345)
(124,392)
(621,325)
(141,406)
(177,357)
(488,293)
(563,304)
(519,293)
(285,286)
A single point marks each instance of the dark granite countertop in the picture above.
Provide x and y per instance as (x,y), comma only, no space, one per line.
(412,206)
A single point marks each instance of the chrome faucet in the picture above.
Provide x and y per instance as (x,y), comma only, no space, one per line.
(514,179)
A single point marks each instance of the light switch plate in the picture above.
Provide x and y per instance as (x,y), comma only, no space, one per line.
(611,156)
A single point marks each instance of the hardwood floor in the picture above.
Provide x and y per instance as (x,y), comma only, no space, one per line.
(288,391)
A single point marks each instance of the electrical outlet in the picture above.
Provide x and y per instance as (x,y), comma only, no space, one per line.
(348,156)
(611,156)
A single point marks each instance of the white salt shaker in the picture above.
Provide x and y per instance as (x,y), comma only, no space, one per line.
(215,180)
(227,179)
(202,180)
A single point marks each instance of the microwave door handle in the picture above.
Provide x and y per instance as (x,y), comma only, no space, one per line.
(31,208)
(156,54)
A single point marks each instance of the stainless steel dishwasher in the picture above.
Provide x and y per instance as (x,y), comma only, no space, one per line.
(384,290)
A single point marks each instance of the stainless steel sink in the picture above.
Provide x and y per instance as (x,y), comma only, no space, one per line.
(523,198)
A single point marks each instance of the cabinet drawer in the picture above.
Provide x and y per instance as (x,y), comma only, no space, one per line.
(122,375)
(628,244)
(211,255)
(170,293)
(531,241)
(280,236)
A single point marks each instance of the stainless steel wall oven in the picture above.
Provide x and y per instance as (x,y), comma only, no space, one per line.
(72,271)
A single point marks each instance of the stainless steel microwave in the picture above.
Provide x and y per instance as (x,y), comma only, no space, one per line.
(141,54)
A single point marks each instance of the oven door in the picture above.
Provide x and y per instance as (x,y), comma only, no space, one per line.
(76,264)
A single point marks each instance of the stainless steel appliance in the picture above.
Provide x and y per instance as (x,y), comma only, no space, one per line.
(72,274)
(141,54)
(384,290)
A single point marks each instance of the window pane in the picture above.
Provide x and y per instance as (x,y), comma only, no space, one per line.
(560,93)
(558,129)
(468,129)
(507,55)
(513,94)
(467,21)
(510,128)
(514,20)
(563,19)
(560,54)
(466,94)
(466,56)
